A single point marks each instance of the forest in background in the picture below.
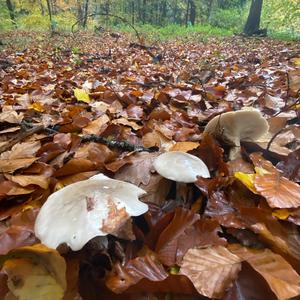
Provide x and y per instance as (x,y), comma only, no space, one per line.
(166,18)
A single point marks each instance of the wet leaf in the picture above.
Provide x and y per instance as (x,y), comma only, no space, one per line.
(281,277)
(82,95)
(211,270)
(35,272)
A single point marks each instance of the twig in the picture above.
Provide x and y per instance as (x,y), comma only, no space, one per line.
(124,145)
(288,88)
(287,107)
(274,137)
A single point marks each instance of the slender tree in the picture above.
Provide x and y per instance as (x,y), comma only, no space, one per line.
(50,12)
(192,12)
(86,9)
(11,10)
(253,21)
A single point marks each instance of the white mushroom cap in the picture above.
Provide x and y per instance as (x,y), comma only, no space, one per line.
(180,166)
(82,210)
(236,126)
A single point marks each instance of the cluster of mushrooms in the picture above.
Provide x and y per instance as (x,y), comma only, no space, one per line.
(100,205)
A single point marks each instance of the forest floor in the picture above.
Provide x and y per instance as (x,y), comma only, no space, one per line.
(73,106)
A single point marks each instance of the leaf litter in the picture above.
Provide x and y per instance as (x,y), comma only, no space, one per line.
(68,116)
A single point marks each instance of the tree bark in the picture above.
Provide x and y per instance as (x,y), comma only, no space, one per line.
(253,21)
(192,12)
(187,13)
(86,9)
(11,10)
(50,15)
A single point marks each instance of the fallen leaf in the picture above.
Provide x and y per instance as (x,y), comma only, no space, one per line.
(82,95)
(184,146)
(211,270)
(35,272)
(122,277)
(281,277)
(11,165)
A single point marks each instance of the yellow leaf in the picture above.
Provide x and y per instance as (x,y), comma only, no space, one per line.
(247,180)
(82,95)
(281,214)
(37,107)
(35,272)
(296,61)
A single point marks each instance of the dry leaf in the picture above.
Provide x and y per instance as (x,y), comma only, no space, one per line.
(281,277)
(35,272)
(211,270)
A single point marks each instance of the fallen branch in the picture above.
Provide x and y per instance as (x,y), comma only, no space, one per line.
(124,145)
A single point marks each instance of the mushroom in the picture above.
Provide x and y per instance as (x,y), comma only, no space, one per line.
(236,126)
(83,210)
(180,166)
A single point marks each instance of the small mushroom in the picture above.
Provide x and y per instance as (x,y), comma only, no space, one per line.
(83,210)
(236,126)
(180,166)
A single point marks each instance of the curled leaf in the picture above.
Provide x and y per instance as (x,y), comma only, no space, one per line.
(211,270)
(35,273)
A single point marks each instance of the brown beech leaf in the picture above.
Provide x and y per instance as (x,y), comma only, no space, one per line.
(19,231)
(203,233)
(184,146)
(25,180)
(212,155)
(281,277)
(249,285)
(75,165)
(281,237)
(96,126)
(168,242)
(291,166)
(64,181)
(268,182)
(139,170)
(174,284)
(122,277)
(278,191)
(11,165)
(211,270)
(22,150)
(9,188)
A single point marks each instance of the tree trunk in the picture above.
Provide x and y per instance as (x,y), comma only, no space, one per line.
(192,12)
(11,12)
(42,7)
(132,13)
(253,21)
(187,13)
(86,9)
(50,15)
(144,8)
